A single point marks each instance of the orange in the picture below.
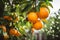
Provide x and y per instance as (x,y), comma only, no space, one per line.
(14,32)
(32,17)
(18,34)
(3,27)
(7,17)
(37,25)
(43,13)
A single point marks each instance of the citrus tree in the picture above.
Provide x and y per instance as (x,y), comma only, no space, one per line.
(19,18)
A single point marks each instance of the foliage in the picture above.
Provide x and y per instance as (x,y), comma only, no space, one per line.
(14,15)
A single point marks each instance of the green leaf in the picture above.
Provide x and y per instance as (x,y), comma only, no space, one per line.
(22,30)
(50,0)
(44,20)
(28,25)
(27,7)
(50,5)
(45,0)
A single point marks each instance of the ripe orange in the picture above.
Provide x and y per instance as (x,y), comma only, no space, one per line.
(18,34)
(32,17)
(37,25)
(3,27)
(14,32)
(43,13)
(7,17)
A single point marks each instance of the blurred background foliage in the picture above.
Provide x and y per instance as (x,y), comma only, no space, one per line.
(53,33)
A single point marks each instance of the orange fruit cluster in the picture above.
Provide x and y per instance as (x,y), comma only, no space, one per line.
(9,18)
(33,17)
(14,32)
